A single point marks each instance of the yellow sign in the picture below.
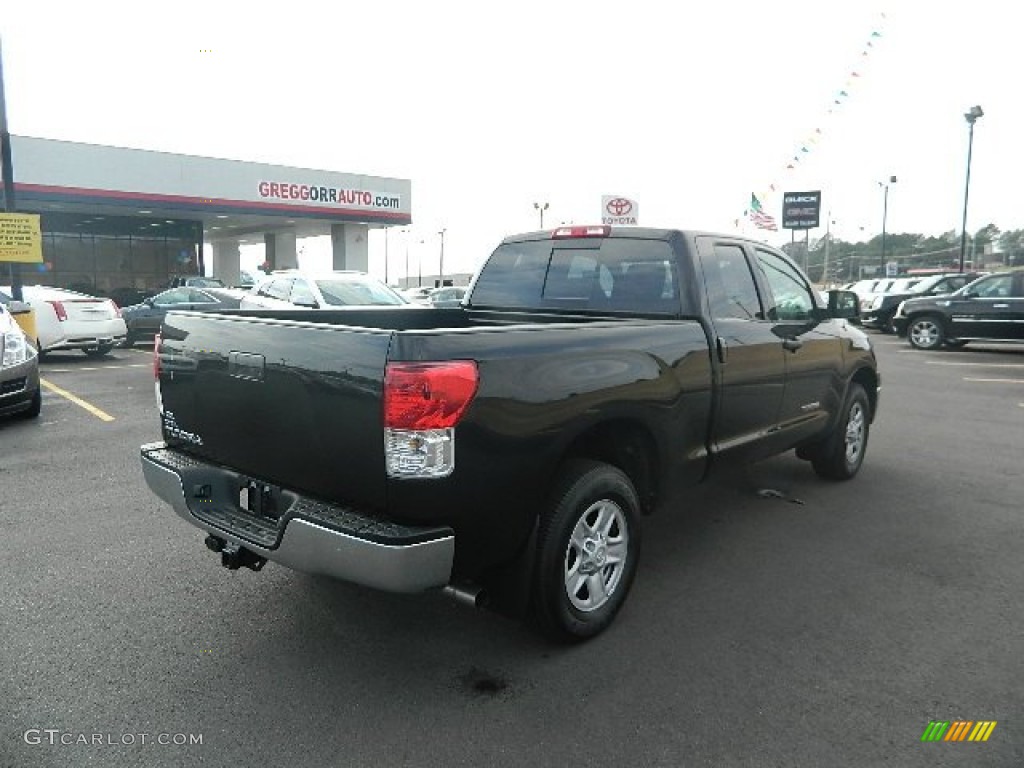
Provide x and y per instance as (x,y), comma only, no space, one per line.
(21,238)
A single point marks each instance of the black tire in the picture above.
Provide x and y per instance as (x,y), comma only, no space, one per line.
(840,455)
(129,341)
(599,499)
(100,351)
(926,332)
(39,350)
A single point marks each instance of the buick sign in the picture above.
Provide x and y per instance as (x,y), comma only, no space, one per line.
(801,210)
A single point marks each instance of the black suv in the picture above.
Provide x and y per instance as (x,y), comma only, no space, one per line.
(990,308)
(879,313)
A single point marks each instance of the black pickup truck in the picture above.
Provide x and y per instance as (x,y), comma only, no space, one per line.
(506,449)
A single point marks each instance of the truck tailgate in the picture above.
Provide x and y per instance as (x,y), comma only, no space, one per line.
(287,402)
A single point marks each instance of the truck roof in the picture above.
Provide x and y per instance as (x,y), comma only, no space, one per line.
(636,233)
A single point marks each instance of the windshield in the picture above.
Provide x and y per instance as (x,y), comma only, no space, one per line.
(354,290)
(927,284)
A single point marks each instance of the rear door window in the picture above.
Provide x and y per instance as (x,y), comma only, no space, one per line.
(731,289)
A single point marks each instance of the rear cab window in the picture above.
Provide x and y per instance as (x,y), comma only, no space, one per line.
(615,274)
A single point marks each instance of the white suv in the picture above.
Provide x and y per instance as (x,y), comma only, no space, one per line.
(291,289)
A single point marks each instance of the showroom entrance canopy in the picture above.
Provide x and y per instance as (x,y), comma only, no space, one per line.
(103,190)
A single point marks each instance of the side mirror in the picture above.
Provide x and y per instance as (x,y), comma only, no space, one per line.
(843,305)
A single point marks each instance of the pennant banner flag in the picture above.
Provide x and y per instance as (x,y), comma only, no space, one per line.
(841,95)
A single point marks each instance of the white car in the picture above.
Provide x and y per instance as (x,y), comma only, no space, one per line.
(291,289)
(69,320)
(418,294)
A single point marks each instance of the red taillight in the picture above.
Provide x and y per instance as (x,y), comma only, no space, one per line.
(156,357)
(596,231)
(58,307)
(428,395)
(117,309)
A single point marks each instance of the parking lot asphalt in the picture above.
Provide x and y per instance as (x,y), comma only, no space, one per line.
(824,628)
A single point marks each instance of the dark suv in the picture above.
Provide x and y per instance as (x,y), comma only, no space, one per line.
(879,313)
(991,308)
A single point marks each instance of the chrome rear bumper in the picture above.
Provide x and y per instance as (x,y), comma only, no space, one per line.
(309,535)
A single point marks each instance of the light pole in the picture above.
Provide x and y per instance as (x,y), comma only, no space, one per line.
(540,208)
(885,215)
(971,117)
(441,262)
(385,254)
(405,236)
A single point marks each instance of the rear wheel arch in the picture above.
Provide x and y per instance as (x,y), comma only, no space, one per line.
(627,445)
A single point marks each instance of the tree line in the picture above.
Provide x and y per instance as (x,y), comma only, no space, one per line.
(846,261)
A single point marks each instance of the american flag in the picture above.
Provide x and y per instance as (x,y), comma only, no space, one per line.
(757,215)
(763,221)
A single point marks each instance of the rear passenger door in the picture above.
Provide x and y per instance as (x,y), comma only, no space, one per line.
(813,354)
(751,362)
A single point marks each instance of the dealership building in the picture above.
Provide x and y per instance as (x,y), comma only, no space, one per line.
(119,222)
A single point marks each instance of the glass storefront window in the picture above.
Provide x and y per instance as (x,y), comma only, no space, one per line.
(77,265)
(122,257)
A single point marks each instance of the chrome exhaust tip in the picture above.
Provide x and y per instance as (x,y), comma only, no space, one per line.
(466,594)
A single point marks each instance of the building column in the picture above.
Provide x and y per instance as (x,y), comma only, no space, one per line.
(226,261)
(280,250)
(350,247)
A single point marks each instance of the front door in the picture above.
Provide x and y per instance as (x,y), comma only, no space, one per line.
(812,349)
(751,365)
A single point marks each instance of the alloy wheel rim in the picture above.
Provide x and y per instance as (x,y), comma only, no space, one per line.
(855,426)
(595,556)
(926,333)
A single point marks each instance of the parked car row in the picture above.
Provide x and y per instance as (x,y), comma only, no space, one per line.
(70,320)
(990,308)
(878,308)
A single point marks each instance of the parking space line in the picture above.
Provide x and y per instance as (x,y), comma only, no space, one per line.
(995,381)
(97,368)
(99,414)
(985,365)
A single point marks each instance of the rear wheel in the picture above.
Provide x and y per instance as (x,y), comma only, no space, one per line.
(926,332)
(588,548)
(841,454)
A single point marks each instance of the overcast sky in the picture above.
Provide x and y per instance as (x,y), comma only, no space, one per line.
(489,107)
